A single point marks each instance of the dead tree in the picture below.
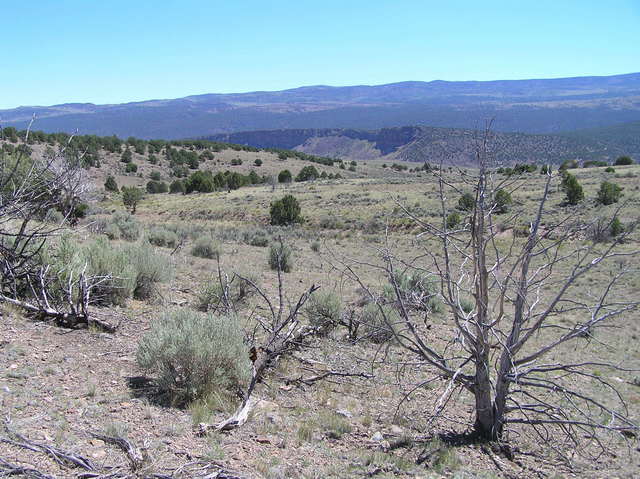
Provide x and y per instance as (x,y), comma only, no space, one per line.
(30,188)
(282,333)
(507,302)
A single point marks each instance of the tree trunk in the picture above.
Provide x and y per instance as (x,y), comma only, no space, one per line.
(485,420)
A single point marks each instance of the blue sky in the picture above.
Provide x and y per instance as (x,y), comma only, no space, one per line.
(58,51)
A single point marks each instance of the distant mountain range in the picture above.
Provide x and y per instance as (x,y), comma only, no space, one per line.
(529,106)
(431,144)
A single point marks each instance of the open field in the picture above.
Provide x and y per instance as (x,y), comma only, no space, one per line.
(57,385)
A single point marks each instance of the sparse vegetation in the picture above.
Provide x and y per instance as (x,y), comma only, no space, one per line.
(305,396)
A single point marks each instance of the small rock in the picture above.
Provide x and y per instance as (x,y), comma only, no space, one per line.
(277,472)
(99,454)
(377,437)
(273,418)
(263,440)
(13,366)
(344,412)
(397,430)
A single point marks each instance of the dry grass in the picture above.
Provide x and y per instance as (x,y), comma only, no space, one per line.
(57,385)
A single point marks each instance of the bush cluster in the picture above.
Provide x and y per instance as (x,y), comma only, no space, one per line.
(154,187)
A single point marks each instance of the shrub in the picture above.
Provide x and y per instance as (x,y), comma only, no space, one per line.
(200,181)
(79,210)
(623,161)
(154,187)
(377,323)
(163,237)
(285,176)
(131,196)
(104,260)
(206,247)
(211,296)
(155,176)
(308,173)
(502,200)
(112,231)
(616,227)
(315,246)
(257,162)
(54,217)
(177,186)
(125,226)
(256,237)
(610,169)
(131,168)
(594,163)
(285,211)
(569,164)
(466,202)
(323,310)
(280,257)
(608,193)
(466,305)
(110,184)
(195,354)
(572,189)
(126,156)
(150,268)
(416,290)
(453,220)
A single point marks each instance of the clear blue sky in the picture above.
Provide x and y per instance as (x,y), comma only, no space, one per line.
(58,51)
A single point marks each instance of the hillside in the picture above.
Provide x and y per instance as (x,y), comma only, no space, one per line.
(136,162)
(622,138)
(351,399)
(532,106)
(430,144)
